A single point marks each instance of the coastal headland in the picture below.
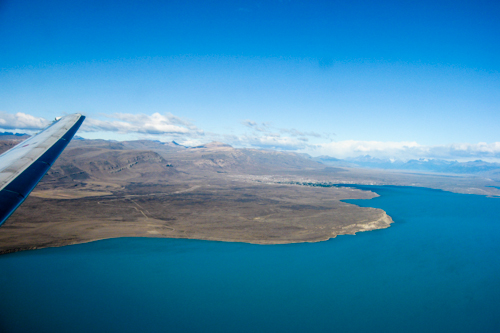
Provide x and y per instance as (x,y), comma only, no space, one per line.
(101,189)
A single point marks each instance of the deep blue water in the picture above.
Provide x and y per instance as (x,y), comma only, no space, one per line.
(436,269)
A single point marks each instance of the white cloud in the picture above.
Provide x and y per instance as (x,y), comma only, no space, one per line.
(264,135)
(263,127)
(155,124)
(479,150)
(352,148)
(294,132)
(273,142)
(408,150)
(22,121)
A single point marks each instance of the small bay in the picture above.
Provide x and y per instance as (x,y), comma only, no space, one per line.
(436,269)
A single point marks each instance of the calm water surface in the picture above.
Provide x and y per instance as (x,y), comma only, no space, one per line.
(436,269)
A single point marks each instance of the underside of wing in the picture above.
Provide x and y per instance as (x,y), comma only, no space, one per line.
(22,167)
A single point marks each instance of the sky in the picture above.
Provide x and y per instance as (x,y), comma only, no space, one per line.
(389,79)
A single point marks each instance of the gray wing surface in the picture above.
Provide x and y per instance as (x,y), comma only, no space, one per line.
(22,167)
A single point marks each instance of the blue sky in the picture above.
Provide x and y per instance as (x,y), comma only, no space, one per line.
(385,78)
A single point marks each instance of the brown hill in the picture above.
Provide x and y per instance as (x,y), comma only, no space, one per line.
(8,144)
(156,162)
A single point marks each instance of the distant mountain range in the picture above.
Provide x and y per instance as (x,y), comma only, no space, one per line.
(15,136)
(428,165)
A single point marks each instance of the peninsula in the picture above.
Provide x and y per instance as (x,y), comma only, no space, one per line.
(103,189)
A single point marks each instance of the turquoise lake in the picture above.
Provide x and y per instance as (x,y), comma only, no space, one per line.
(436,269)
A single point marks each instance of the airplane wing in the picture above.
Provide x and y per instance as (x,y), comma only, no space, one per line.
(22,167)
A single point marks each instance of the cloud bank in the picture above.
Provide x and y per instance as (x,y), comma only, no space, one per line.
(265,135)
(409,150)
(22,121)
(155,124)
(167,127)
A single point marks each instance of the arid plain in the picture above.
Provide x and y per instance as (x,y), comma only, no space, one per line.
(102,189)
